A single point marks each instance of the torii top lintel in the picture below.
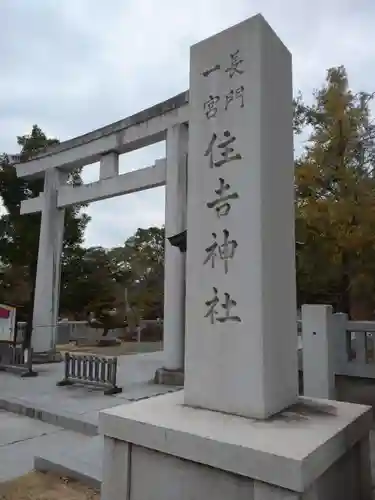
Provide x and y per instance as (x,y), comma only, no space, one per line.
(139,130)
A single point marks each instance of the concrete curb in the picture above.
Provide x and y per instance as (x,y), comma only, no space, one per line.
(45,465)
(65,421)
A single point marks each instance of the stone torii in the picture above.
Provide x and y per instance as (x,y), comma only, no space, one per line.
(166,121)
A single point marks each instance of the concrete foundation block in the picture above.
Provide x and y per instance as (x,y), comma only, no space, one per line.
(314,450)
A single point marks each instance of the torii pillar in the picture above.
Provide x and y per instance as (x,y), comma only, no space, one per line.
(47,283)
(172,372)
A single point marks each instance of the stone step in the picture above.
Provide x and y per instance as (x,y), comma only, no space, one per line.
(82,461)
(86,424)
(21,438)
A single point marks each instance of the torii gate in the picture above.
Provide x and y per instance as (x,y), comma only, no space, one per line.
(166,121)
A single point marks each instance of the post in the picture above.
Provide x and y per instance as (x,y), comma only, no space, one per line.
(109,165)
(47,284)
(340,343)
(241,308)
(139,334)
(317,355)
(174,267)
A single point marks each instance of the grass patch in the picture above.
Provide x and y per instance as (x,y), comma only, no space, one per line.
(45,486)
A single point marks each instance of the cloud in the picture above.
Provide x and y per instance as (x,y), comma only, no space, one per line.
(76,65)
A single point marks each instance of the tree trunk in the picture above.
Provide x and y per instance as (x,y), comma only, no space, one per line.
(344,299)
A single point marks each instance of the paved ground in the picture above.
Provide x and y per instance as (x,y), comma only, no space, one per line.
(40,398)
(71,442)
(21,438)
(70,409)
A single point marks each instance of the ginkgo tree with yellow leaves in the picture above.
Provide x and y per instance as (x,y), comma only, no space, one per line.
(335,198)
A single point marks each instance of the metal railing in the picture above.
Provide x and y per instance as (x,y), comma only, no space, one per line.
(16,359)
(91,370)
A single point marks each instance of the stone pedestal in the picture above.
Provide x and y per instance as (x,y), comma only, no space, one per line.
(169,377)
(161,449)
(51,356)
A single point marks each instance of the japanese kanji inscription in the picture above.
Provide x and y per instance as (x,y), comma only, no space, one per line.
(226,306)
(236,94)
(227,153)
(224,251)
(221,151)
(224,196)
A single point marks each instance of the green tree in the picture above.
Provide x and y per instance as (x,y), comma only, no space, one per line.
(101,277)
(140,267)
(335,198)
(95,277)
(19,234)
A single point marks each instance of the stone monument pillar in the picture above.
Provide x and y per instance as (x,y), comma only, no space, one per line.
(241,312)
(239,430)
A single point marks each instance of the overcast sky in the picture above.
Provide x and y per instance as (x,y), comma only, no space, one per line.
(75,65)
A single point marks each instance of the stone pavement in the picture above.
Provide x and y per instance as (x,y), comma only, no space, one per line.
(65,440)
(21,438)
(64,418)
(76,408)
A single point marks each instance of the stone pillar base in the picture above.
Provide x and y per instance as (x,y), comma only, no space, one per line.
(314,450)
(164,376)
(40,358)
